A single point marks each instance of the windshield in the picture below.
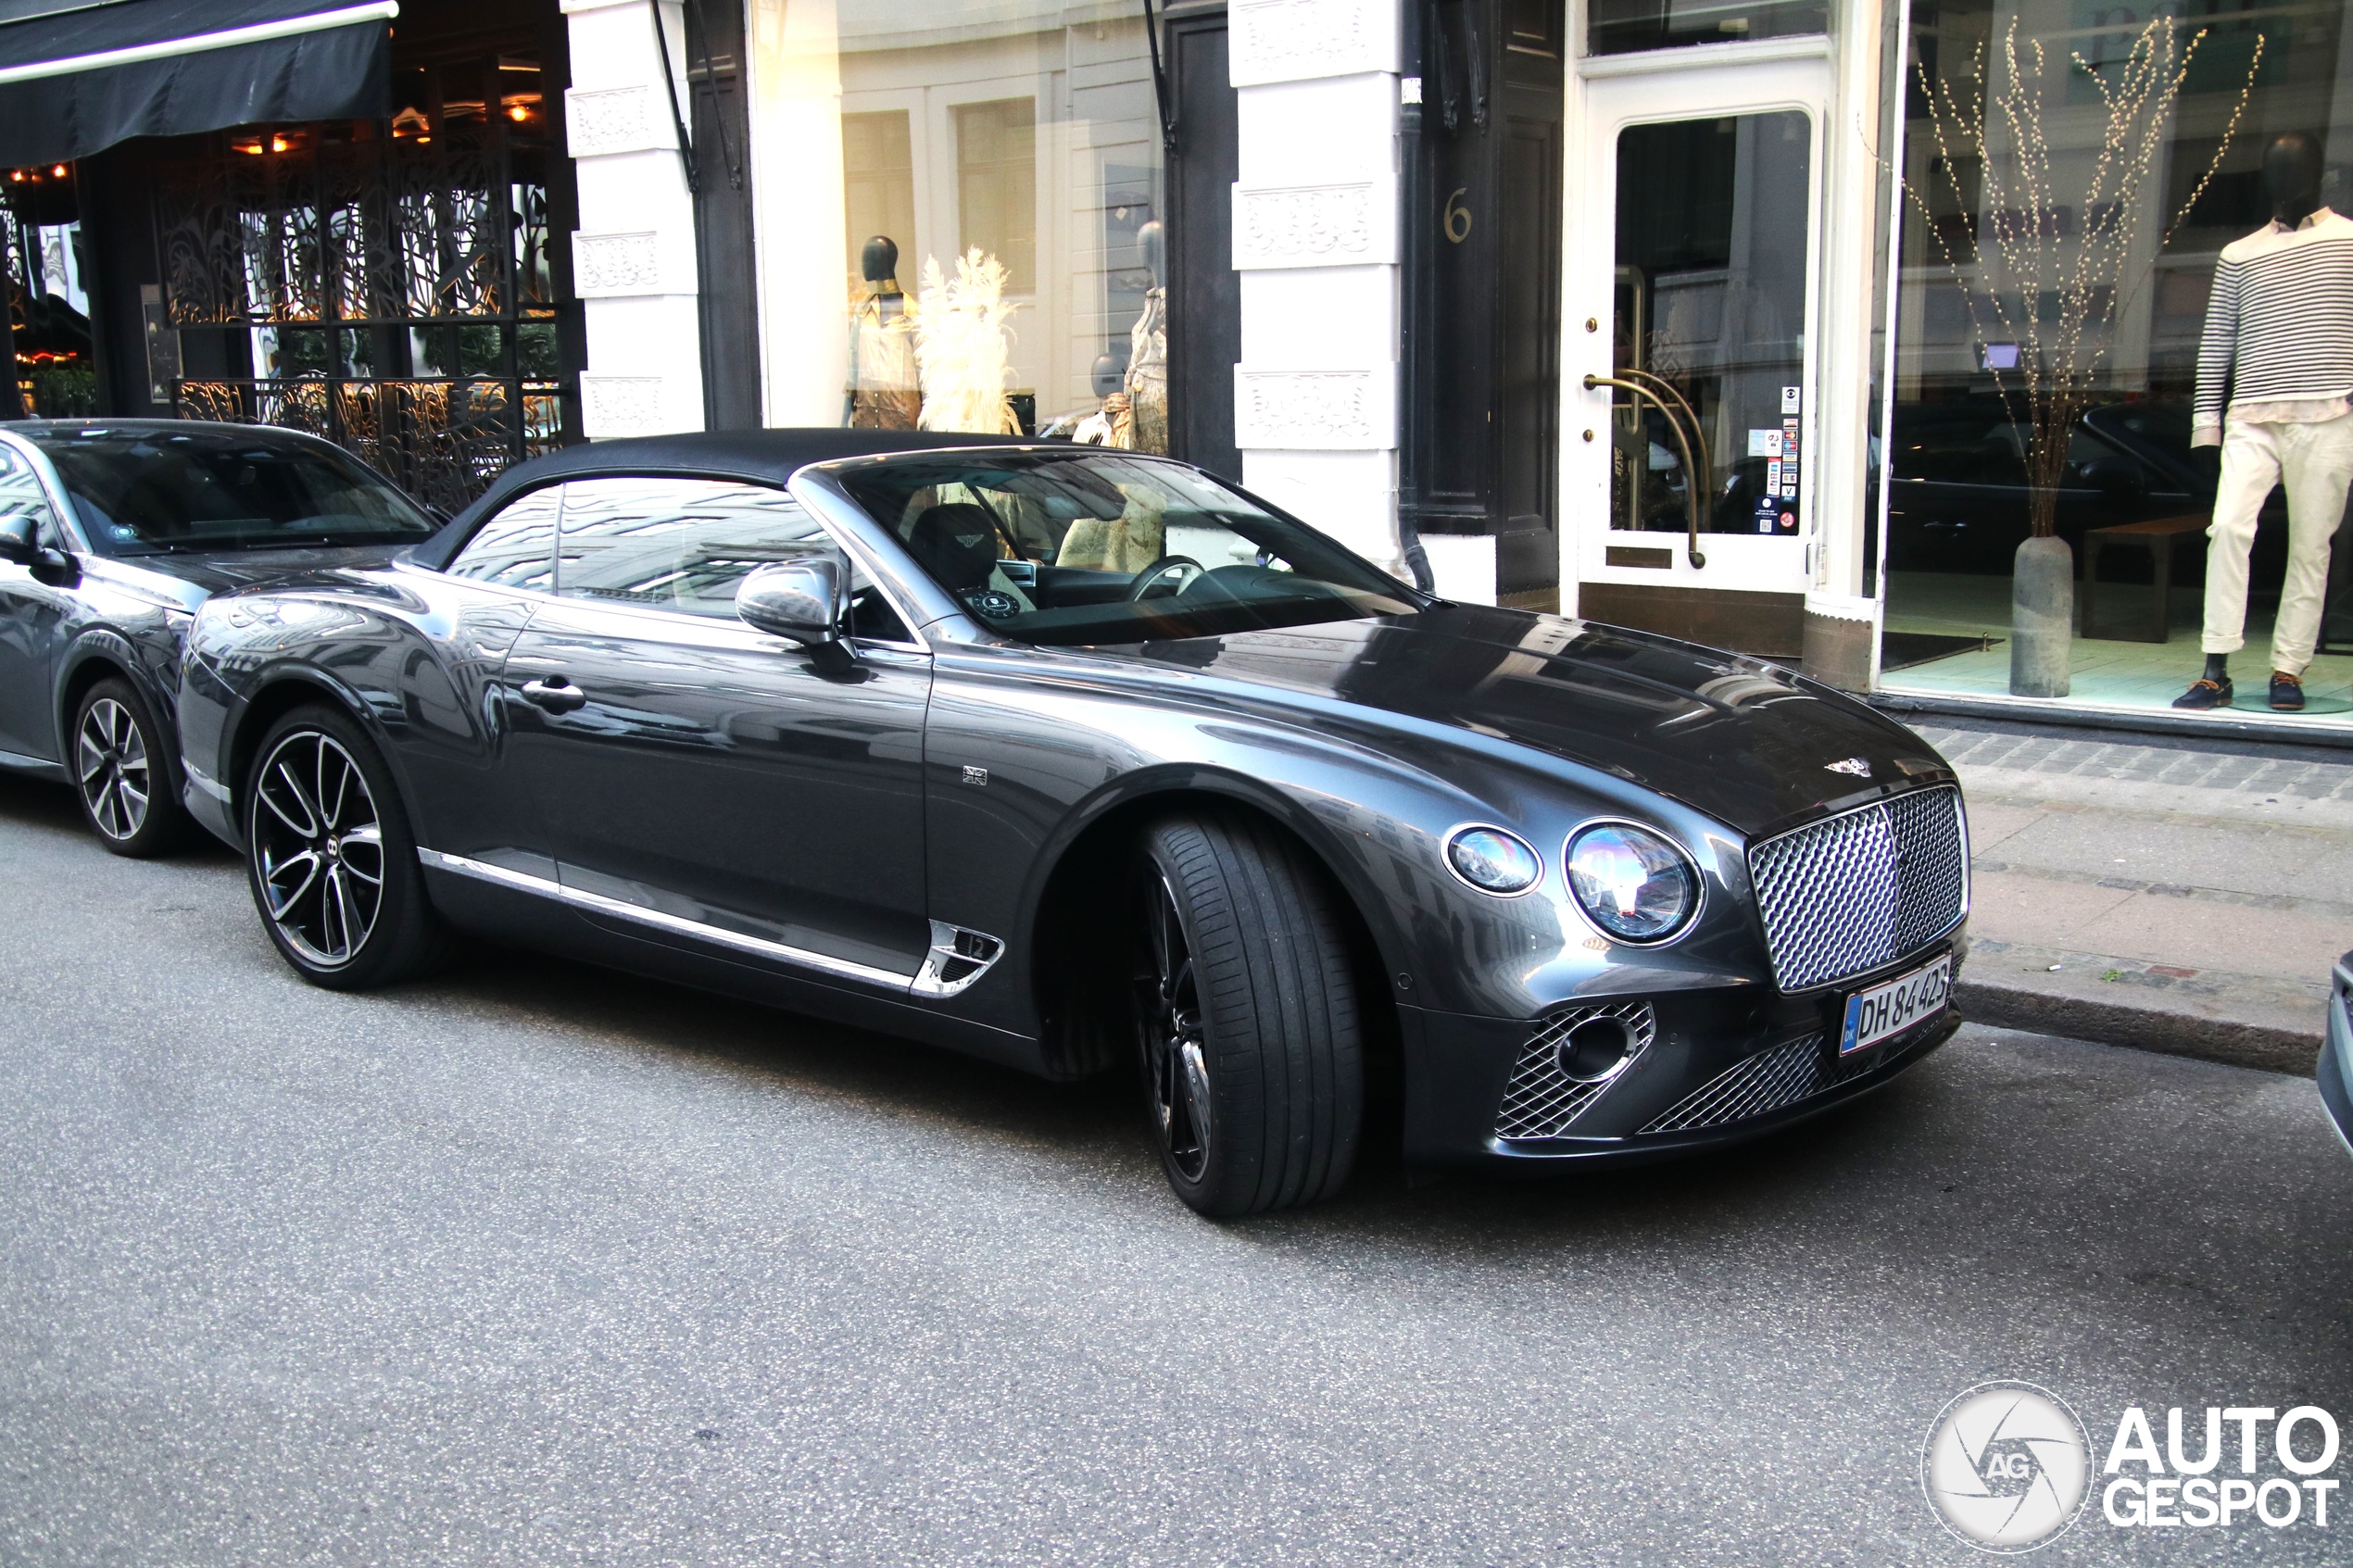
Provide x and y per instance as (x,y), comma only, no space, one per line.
(145,491)
(1082,545)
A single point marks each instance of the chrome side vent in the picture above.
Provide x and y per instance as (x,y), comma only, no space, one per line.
(957,958)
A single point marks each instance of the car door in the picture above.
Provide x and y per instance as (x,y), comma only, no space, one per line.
(744,792)
(33,616)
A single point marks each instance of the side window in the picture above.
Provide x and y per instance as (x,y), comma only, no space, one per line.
(517,546)
(22,495)
(684,544)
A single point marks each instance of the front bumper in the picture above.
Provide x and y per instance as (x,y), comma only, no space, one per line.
(1718,1066)
(2336,1053)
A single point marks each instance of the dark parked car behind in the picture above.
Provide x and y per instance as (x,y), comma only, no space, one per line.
(1957,501)
(111,534)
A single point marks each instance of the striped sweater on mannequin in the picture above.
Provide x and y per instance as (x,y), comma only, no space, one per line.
(2278,345)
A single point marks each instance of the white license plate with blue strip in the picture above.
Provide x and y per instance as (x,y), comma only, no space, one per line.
(1873,1015)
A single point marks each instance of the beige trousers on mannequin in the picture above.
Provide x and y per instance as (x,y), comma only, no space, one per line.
(2315,462)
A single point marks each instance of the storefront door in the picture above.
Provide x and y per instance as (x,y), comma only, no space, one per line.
(1690,280)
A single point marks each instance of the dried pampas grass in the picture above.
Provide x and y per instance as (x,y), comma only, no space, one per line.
(962,345)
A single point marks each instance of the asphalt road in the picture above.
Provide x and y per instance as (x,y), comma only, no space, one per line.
(531,1264)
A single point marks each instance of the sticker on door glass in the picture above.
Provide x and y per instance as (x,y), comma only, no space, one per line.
(1765,442)
(1790,399)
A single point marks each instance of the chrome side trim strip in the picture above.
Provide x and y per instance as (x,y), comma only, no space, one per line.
(482,870)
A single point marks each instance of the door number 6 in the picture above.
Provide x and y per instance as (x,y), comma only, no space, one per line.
(1458,217)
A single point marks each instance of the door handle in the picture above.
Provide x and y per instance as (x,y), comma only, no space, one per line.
(555,694)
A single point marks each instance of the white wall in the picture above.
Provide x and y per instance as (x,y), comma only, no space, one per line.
(1317,244)
(633,253)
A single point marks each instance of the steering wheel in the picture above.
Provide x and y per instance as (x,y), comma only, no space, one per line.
(1162,567)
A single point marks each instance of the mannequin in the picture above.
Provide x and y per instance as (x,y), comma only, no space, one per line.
(884,392)
(1096,428)
(1148,352)
(2275,392)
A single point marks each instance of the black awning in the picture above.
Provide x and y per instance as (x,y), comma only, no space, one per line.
(80,75)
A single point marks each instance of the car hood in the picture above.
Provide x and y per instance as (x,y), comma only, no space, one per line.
(1745,740)
(191,578)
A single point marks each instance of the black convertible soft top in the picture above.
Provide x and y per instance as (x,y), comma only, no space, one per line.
(758,456)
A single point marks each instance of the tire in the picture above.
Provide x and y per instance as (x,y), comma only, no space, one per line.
(330,859)
(1256,1090)
(120,761)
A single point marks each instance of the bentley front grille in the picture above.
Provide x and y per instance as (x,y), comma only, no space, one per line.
(1760,1085)
(1573,1056)
(1846,894)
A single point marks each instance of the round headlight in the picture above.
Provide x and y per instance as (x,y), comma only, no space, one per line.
(1631,883)
(1493,860)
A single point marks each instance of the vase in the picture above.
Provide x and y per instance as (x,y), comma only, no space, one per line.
(2042,616)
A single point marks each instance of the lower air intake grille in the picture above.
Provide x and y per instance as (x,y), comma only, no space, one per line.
(1852,892)
(1762,1084)
(1544,1097)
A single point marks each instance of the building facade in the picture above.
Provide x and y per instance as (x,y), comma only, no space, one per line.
(1778,325)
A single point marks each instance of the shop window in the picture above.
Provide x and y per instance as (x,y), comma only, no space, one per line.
(2050,308)
(388,285)
(1618,27)
(48,296)
(963,218)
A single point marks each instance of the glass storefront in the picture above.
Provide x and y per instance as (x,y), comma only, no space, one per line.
(2073,173)
(961,217)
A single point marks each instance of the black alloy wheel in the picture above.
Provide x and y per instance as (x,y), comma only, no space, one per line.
(1248,1032)
(123,774)
(328,857)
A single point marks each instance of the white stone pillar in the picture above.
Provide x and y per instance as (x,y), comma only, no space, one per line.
(1316,240)
(632,257)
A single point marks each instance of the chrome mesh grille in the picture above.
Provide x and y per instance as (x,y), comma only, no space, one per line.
(1541,1100)
(1764,1082)
(1848,894)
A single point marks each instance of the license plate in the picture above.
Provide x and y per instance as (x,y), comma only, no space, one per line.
(1873,1015)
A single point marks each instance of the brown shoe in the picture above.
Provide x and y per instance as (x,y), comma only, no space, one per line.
(2204,694)
(2287,692)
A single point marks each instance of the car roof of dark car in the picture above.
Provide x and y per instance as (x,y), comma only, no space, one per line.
(756,455)
(41,431)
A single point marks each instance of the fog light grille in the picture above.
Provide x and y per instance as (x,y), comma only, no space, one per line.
(1547,1093)
(1762,1084)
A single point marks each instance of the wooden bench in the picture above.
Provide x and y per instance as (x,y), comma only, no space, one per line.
(2158,536)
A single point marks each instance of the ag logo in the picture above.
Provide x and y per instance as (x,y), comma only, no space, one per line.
(2007,1466)
(1853,765)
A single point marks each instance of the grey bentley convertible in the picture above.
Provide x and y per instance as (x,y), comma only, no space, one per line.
(1068,756)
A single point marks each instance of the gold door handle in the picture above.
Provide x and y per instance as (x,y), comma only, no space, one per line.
(1697,477)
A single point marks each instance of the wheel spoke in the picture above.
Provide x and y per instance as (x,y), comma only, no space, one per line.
(309,826)
(92,753)
(339,944)
(281,902)
(369,840)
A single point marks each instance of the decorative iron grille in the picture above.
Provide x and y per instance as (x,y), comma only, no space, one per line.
(390,285)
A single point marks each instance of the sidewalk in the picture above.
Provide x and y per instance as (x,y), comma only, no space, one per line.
(2151,895)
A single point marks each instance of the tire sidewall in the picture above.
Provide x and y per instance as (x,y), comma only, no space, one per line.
(401,906)
(160,830)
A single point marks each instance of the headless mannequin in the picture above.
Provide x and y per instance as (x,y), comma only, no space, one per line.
(1106,377)
(2291,167)
(1148,351)
(882,389)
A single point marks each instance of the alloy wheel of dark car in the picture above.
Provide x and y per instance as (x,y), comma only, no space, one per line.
(1247,1019)
(1169,1032)
(333,869)
(120,774)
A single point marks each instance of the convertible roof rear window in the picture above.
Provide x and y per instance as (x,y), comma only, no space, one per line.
(1086,545)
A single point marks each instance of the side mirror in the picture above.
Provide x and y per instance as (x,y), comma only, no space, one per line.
(800,600)
(19,540)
